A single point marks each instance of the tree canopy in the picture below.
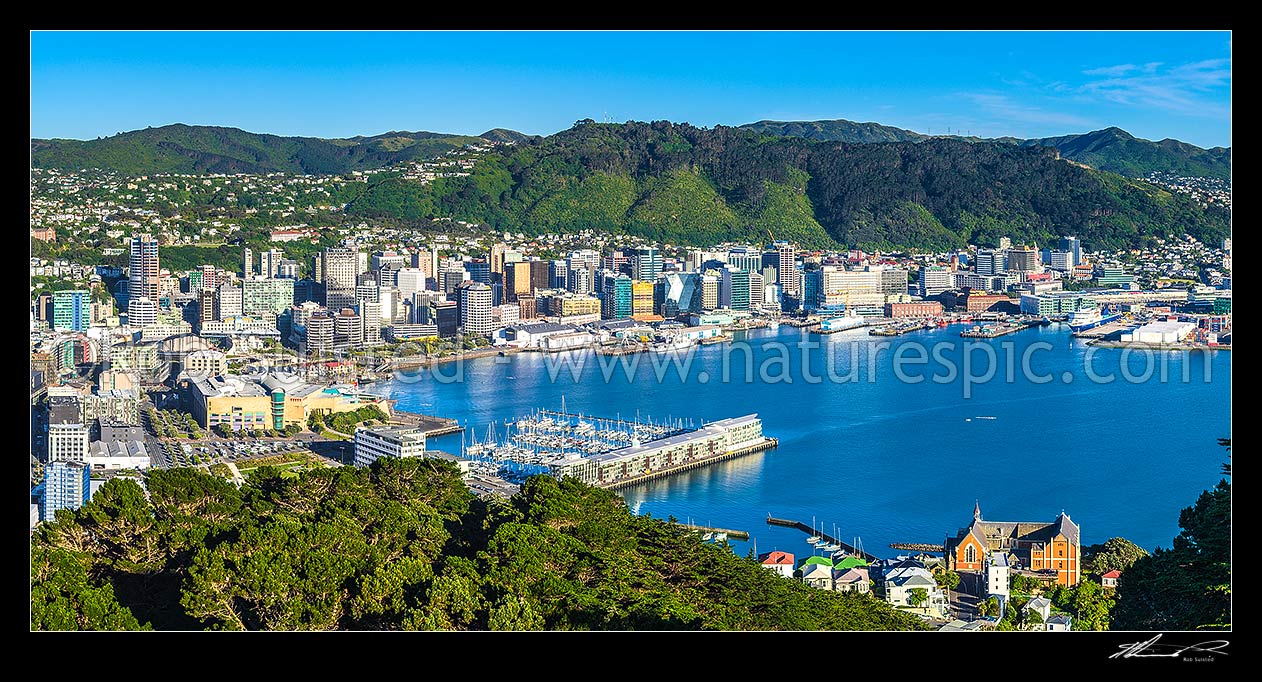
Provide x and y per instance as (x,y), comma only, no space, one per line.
(402,545)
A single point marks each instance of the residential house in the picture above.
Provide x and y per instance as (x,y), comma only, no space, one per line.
(780,562)
(852,580)
(1041,606)
(1060,622)
(1109,580)
(899,586)
(818,575)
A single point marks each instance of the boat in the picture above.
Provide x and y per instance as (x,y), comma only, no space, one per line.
(1082,320)
(942,323)
(707,537)
(987,417)
(720,537)
(774,325)
(814,539)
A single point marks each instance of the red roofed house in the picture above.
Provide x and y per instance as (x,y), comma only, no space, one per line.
(780,562)
(1109,580)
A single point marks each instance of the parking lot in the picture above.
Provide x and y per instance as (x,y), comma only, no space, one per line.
(176,454)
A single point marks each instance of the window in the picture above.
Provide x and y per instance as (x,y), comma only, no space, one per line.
(970,554)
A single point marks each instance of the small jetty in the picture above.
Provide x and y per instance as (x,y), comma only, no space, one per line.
(738,534)
(917,547)
(789,523)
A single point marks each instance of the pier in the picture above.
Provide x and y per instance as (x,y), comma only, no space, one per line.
(670,470)
(789,523)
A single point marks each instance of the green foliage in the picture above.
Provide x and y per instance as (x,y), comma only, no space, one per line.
(402,545)
(63,597)
(1186,587)
(181,258)
(346,422)
(918,596)
(988,607)
(1115,554)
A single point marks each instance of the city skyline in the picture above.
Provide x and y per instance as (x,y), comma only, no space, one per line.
(1155,85)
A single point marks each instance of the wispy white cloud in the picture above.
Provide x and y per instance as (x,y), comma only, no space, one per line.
(1113,71)
(1182,88)
(1003,107)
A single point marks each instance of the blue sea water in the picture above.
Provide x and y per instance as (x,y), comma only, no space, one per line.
(883,459)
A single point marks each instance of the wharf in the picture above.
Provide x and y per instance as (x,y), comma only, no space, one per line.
(796,322)
(899,329)
(917,547)
(789,523)
(1104,330)
(430,425)
(766,443)
(996,331)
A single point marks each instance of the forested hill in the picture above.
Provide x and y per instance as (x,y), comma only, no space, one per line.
(1111,149)
(682,184)
(402,545)
(206,149)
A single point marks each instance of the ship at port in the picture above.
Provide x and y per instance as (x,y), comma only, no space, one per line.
(842,323)
(1083,320)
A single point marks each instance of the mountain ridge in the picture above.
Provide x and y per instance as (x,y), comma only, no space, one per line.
(1110,149)
(183,148)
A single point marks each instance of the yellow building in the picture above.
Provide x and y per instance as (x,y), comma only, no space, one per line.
(273,401)
(641,298)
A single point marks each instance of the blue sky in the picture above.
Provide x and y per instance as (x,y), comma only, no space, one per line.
(1153,84)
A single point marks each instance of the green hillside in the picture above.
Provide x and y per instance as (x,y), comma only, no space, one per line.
(401,545)
(681,184)
(207,149)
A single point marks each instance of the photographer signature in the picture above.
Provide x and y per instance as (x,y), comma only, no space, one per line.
(1151,649)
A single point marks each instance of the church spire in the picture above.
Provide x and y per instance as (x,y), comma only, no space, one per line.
(977,511)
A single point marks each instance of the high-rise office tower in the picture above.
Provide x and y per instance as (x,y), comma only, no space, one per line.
(648,262)
(228,302)
(270,262)
(341,270)
(734,289)
(67,485)
(142,273)
(475,309)
(72,310)
(247,263)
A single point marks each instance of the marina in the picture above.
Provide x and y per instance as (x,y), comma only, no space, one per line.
(823,540)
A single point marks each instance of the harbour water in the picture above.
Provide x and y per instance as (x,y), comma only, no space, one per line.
(887,460)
